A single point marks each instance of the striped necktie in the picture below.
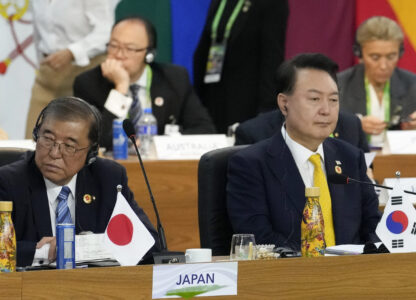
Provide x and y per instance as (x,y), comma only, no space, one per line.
(136,110)
(319,180)
(63,215)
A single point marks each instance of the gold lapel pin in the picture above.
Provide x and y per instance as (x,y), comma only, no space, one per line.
(338,169)
(87,198)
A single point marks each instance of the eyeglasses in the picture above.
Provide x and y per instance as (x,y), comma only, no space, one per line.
(65,149)
(113,48)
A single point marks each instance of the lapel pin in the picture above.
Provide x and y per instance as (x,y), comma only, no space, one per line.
(246,6)
(159,101)
(338,162)
(87,198)
(338,169)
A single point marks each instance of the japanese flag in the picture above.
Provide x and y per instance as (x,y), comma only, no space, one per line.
(125,236)
(397,228)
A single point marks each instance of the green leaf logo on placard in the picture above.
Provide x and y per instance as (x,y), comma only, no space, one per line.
(193,291)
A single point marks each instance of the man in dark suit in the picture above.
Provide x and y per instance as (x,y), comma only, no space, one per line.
(129,81)
(253,51)
(66,136)
(266,181)
(376,89)
(265,125)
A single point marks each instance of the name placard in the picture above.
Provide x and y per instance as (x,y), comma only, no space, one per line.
(194,280)
(188,146)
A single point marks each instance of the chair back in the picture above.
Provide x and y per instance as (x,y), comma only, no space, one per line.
(215,229)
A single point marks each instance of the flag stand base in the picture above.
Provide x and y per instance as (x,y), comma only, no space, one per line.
(168,257)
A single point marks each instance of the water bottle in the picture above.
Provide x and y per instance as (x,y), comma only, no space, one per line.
(312,226)
(7,238)
(119,140)
(147,129)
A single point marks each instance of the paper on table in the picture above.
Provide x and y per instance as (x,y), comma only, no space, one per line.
(369,157)
(90,247)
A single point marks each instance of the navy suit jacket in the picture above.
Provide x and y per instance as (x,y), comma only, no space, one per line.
(266,194)
(266,125)
(22,183)
(169,82)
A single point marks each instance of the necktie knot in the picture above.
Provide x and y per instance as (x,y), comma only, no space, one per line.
(134,88)
(315,159)
(63,195)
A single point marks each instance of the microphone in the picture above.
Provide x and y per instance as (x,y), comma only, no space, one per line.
(344,179)
(164,256)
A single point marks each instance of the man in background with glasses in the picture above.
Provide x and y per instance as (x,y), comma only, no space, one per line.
(129,81)
(63,180)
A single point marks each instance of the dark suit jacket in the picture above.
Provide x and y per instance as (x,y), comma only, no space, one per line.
(22,183)
(266,125)
(169,82)
(353,95)
(255,49)
(266,194)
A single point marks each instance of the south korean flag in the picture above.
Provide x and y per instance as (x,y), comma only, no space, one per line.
(397,228)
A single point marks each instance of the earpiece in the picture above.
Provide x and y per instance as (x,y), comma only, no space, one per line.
(150,56)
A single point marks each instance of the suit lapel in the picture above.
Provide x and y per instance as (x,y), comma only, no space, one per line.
(337,191)
(358,90)
(39,199)
(397,92)
(85,210)
(240,21)
(283,166)
(157,90)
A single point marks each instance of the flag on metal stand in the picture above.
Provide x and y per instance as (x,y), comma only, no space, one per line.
(397,227)
(126,237)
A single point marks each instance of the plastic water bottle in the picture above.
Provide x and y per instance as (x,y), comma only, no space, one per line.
(147,129)
(7,238)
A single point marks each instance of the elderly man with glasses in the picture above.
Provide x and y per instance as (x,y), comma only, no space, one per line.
(129,81)
(63,182)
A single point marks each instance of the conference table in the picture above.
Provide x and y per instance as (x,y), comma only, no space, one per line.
(376,276)
(175,188)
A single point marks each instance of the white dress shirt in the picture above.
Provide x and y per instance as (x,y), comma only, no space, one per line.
(301,156)
(52,191)
(82,26)
(377,110)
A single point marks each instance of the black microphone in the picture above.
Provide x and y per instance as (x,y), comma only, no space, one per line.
(344,179)
(164,256)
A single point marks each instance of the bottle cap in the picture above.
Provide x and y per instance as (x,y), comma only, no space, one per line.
(147,110)
(312,192)
(6,205)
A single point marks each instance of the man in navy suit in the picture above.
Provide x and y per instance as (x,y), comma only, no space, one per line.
(129,75)
(266,181)
(66,135)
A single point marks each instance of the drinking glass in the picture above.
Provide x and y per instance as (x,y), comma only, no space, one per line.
(243,247)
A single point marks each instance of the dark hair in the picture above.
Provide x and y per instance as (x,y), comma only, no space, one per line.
(286,73)
(72,109)
(150,29)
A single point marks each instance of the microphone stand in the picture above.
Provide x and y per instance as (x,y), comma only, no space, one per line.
(164,256)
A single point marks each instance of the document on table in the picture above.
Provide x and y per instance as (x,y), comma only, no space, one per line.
(90,247)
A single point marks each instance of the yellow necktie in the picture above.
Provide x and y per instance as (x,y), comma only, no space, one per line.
(319,180)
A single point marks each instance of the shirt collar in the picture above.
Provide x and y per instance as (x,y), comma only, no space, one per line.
(142,81)
(55,189)
(300,153)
